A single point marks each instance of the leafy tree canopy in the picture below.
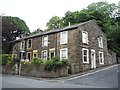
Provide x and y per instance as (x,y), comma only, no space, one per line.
(12,27)
(105,15)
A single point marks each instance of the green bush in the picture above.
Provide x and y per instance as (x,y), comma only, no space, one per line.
(53,64)
(37,60)
(6,59)
(49,64)
(56,59)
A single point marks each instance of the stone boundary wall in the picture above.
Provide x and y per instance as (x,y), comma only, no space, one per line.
(112,58)
(7,69)
(36,70)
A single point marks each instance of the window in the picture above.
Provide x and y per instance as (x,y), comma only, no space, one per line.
(85,55)
(52,53)
(85,37)
(22,55)
(29,55)
(22,46)
(63,53)
(29,43)
(44,55)
(100,42)
(35,55)
(63,37)
(101,58)
(45,41)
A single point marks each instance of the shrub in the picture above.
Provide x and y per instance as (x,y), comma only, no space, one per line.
(49,64)
(37,60)
(64,62)
(56,59)
(53,64)
(6,59)
(24,61)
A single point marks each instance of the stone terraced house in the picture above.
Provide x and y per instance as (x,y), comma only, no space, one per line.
(84,45)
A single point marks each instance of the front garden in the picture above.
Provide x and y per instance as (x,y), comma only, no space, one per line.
(36,67)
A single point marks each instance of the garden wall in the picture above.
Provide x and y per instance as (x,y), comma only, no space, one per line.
(7,69)
(38,71)
(35,70)
(112,58)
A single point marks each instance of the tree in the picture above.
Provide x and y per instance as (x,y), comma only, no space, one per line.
(54,23)
(106,17)
(12,27)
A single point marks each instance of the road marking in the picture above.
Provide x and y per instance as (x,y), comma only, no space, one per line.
(91,73)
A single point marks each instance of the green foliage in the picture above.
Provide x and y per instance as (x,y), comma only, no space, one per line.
(54,23)
(18,23)
(12,27)
(37,60)
(14,67)
(34,32)
(105,15)
(53,64)
(6,59)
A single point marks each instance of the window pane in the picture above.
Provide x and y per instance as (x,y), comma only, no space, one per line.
(64,53)
(85,37)
(85,58)
(45,41)
(44,55)
(63,37)
(85,52)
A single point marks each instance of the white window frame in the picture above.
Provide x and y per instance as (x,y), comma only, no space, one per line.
(46,55)
(84,55)
(100,42)
(101,57)
(62,39)
(28,43)
(43,41)
(61,53)
(85,37)
(22,43)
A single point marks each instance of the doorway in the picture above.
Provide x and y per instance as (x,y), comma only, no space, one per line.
(93,59)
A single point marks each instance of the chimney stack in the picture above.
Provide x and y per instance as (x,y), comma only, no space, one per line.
(69,23)
(39,30)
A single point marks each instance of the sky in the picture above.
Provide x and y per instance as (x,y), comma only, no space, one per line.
(36,13)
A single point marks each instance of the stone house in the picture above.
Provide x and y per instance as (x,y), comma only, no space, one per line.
(84,45)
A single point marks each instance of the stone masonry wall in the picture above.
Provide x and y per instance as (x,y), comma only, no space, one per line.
(38,71)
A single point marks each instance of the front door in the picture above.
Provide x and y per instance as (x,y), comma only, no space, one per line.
(93,59)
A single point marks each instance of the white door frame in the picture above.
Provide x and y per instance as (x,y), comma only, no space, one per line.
(93,61)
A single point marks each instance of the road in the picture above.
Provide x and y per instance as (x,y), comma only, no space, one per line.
(107,78)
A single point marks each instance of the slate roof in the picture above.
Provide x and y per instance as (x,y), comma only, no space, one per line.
(54,31)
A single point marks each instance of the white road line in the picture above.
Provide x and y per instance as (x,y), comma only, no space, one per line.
(91,73)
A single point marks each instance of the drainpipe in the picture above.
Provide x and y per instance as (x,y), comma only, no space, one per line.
(19,68)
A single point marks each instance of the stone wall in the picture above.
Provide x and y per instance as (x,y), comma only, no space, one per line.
(7,69)
(38,71)
(112,58)
(35,70)
(118,59)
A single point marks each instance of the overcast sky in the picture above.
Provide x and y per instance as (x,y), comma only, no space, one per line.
(36,13)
